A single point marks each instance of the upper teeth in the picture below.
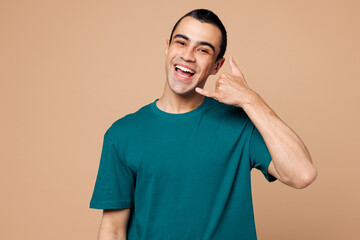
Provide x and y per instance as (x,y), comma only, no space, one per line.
(184,69)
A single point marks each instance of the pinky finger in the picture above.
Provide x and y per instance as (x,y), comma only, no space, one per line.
(206,92)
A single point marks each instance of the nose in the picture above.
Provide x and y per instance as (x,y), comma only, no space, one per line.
(188,55)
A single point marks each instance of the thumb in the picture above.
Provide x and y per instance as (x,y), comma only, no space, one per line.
(234,68)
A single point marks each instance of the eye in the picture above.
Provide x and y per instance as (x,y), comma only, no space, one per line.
(181,43)
(203,51)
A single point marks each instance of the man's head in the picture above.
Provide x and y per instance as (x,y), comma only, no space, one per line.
(194,51)
(207,16)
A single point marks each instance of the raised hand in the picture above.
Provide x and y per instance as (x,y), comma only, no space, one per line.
(231,89)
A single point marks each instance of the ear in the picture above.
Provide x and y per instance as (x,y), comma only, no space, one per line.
(218,65)
(167,46)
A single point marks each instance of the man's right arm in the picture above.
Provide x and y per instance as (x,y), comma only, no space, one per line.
(113,224)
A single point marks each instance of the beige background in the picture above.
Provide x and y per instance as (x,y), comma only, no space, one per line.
(69,69)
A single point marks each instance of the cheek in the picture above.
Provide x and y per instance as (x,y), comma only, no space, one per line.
(172,50)
(206,67)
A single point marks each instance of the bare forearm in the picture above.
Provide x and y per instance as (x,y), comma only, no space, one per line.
(291,159)
(114,224)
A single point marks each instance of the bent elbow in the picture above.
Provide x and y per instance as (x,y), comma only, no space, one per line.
(306,178)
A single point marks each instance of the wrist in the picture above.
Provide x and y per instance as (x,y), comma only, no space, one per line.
(253,100)
(257,109)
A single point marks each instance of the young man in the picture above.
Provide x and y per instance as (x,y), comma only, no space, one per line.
(179,167)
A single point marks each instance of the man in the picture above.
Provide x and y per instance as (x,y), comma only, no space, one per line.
(179,167)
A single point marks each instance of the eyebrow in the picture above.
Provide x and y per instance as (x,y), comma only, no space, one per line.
(200,42)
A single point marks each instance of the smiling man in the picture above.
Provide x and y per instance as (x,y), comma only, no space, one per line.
(179,167)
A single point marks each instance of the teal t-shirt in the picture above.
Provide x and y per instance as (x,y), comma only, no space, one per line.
(185,176)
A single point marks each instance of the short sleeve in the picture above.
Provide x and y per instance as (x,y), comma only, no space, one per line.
(260,157)
(114,186)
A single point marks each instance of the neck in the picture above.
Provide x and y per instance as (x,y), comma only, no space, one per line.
(172,102)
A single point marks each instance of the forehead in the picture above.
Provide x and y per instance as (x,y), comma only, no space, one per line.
(198,31)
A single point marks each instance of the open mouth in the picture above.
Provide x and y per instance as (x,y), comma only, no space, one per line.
(184,72)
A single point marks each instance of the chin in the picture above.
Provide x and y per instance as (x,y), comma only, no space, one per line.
(183,92)
(179,87)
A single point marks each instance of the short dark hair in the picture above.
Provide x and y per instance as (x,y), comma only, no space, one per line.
(206,16)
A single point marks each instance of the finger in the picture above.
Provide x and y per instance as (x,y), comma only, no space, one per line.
(206,92)
(234,68)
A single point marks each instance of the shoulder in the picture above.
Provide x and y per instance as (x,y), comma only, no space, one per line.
(232,118)
(127,123)
(228,111)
